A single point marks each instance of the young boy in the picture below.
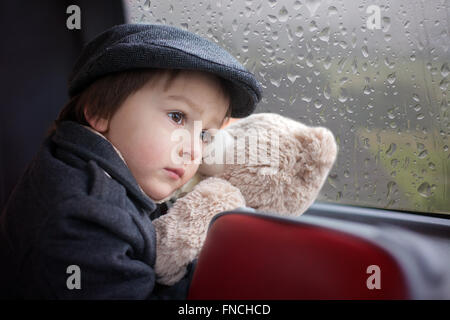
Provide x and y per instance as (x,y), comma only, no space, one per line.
(78,224)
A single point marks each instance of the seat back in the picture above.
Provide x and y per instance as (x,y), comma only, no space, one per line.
(259,256)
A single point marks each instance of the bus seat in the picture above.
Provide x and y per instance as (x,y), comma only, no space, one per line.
(251,255)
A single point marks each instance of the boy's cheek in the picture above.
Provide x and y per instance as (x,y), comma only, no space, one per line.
(146,155)
(190,172)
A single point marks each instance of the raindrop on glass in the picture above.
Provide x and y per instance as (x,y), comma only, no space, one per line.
(313,26)
(332,10)
(327,63)
(386,24)
(391,78)
(234,25)
(306,98)
(147,5)
(342,95)
(283,14)
(276,82)
(327,91)
(424,190)
(317,104)
(297,5)
(299,32)
(292,77)
(324,35)
(272,18)
(273,3)
(332,180)
(445,70)
(443,84)
(312,6)
(394,162)
(423,154)
(390,186)
(365,51)
(390,151)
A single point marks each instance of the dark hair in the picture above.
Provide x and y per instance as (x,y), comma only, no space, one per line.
(104,96)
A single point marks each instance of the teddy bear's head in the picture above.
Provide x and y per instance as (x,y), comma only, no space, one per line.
(278,164)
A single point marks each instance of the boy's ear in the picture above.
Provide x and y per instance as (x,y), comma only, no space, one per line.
(97,123)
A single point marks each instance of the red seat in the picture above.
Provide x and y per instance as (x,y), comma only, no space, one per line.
(257,256)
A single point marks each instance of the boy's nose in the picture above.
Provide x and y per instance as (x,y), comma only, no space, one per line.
(191,151)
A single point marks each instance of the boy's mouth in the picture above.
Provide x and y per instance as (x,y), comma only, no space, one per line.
(176,173)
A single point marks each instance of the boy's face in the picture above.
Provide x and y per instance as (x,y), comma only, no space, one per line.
(142,128)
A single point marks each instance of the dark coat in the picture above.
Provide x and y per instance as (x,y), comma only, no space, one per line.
(65,211)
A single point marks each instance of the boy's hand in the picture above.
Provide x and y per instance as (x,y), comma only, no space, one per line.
(181,232)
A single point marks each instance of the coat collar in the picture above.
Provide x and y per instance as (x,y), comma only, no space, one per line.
(91,146)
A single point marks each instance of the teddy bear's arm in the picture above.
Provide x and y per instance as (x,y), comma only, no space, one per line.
(180,233)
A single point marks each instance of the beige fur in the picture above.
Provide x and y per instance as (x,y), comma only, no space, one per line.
(306,157)
(286,187)
(182,231)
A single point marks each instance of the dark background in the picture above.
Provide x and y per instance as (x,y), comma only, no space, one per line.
(37,55)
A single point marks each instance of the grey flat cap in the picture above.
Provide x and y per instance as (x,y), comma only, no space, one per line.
(131,46)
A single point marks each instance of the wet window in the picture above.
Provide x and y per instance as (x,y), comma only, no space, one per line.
(376,73)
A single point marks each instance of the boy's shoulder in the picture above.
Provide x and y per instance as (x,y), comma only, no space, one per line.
(105,171)
(65,191)
(63,172)
(73,170)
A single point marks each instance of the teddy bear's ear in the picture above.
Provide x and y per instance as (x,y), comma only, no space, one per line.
(319,143)
(328,145)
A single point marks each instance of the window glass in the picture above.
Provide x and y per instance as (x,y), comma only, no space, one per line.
(376,73)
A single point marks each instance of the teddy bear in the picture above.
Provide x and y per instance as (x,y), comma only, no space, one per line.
(265,161)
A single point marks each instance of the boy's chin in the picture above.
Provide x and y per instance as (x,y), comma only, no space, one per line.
(159,196)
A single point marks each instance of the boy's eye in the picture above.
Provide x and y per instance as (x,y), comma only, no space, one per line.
(177,117)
